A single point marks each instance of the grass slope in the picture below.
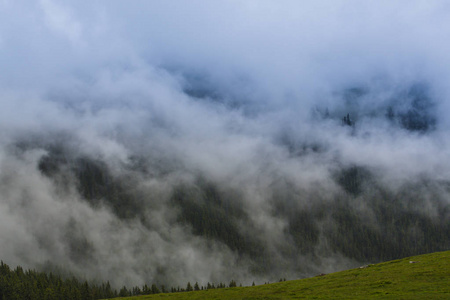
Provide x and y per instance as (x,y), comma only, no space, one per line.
(427,278)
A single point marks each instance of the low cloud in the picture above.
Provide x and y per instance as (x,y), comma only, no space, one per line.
(149,142)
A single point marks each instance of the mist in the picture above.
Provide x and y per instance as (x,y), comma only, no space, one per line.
(150,142)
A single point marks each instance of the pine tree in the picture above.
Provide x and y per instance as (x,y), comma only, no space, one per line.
(155,289)
(123,292)
(232,283)
(146,290)
(189,287)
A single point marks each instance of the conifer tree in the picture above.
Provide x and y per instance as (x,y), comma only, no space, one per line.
(232,283)
(155,289)
(189,287)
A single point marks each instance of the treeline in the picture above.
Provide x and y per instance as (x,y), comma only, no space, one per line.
(153,289)
(18,284)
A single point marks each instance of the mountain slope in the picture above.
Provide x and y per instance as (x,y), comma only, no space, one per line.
(418,277)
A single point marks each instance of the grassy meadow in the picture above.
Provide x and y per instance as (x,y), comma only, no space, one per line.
(420,277)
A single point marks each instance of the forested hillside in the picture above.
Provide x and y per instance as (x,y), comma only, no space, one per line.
(365,222)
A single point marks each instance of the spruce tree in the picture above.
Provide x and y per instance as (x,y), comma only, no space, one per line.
(189,287)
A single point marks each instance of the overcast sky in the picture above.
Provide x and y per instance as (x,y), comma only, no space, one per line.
(287,48)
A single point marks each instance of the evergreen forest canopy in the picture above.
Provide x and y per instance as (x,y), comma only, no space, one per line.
(188,158)
(18,284)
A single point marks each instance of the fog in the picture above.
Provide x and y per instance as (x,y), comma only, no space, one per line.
(116,117)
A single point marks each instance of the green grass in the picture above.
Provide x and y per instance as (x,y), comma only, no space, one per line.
(428,278)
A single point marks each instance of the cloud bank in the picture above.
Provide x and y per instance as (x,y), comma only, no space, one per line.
(120,121)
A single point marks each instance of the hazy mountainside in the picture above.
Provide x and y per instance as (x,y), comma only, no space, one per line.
(363,222)
(202,142)
(264,225)
(398,224)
